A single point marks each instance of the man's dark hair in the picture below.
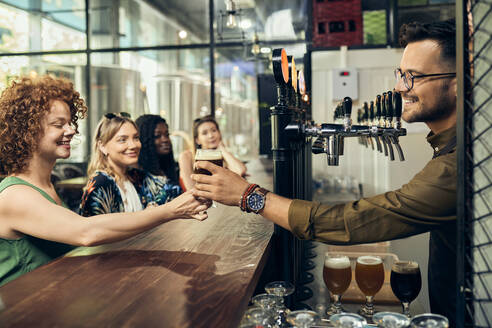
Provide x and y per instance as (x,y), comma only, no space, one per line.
(149,160)
(444,33)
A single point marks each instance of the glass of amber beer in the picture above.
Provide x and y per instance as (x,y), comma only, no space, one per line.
(213,156)
(369,275)
(406,283)
(337,275)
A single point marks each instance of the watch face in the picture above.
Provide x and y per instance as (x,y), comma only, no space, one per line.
(256,202)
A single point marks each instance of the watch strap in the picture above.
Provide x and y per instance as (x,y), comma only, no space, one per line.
(244,196)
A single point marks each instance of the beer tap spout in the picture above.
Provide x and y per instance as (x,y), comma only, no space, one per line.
(398,149)
(390,149)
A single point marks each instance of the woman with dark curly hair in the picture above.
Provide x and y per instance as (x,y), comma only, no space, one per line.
(156,155)
(38,119)
(206,135)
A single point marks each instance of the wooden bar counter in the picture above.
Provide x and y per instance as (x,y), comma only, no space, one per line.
(184,273)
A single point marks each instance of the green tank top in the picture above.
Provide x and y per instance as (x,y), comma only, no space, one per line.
(19,256)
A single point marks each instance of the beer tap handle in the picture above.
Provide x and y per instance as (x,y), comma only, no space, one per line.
(397,104)
(378,109)
(347,112)
(383,110)
(389,107)
(366,112)
(371,111)
(371,118)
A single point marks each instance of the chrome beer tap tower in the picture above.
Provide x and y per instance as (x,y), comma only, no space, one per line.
(378,126)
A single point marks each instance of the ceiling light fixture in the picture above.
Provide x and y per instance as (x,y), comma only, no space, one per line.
(182,34)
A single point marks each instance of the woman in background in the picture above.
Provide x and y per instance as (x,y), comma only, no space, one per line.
(115,184)
(206,135)
(156,155)
(38,119)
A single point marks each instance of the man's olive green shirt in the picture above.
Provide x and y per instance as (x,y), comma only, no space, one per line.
(426,203)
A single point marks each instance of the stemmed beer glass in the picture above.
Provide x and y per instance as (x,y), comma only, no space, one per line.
(429,320)
(390,320)
(280,289)
(369,275)
(256,317)
(337,275)
(406,283)
(303,318)
(348,320)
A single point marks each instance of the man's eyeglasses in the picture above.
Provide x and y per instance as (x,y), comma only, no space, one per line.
(110,116)
(408,77)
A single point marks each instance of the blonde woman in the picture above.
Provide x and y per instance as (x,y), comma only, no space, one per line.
(38,119)
(206,135)
(115,184)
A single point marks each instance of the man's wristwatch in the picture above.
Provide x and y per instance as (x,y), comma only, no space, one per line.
(255,201)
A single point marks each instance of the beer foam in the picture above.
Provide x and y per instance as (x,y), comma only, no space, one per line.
(369,260)
(405,267)
(337,262)
(208,155)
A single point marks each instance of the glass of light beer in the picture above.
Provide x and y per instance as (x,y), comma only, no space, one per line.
(337,275)
(214,156)
(369,275)
(406,283)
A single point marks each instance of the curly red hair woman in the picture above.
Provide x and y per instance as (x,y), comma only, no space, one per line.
(31,99)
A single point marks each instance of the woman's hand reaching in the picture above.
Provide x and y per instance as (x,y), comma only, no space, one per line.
(187,206)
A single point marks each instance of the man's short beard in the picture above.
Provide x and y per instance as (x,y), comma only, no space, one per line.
(442,110)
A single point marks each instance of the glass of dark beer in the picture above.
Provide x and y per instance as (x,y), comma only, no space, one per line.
(337,275)
(369,275)
(214,156)
(406,283)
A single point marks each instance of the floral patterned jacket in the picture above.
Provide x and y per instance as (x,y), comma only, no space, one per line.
(102,195)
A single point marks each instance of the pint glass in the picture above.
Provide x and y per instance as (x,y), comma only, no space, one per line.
(212,155)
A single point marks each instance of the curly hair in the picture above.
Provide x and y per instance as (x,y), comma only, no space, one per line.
(105,131)
(149,160)
(196,124)
(443,32)
(23,106)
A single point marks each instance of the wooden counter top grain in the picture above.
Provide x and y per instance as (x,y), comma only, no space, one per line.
(181,274)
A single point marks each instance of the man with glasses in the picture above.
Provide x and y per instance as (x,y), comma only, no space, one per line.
(427,83)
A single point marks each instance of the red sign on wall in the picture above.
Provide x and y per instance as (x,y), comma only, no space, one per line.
(337,23)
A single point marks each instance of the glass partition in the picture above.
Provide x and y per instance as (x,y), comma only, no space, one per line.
(43,25)
(265,20)
(173,83)
(136,23)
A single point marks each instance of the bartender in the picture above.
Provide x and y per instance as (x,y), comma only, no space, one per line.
(426,80)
